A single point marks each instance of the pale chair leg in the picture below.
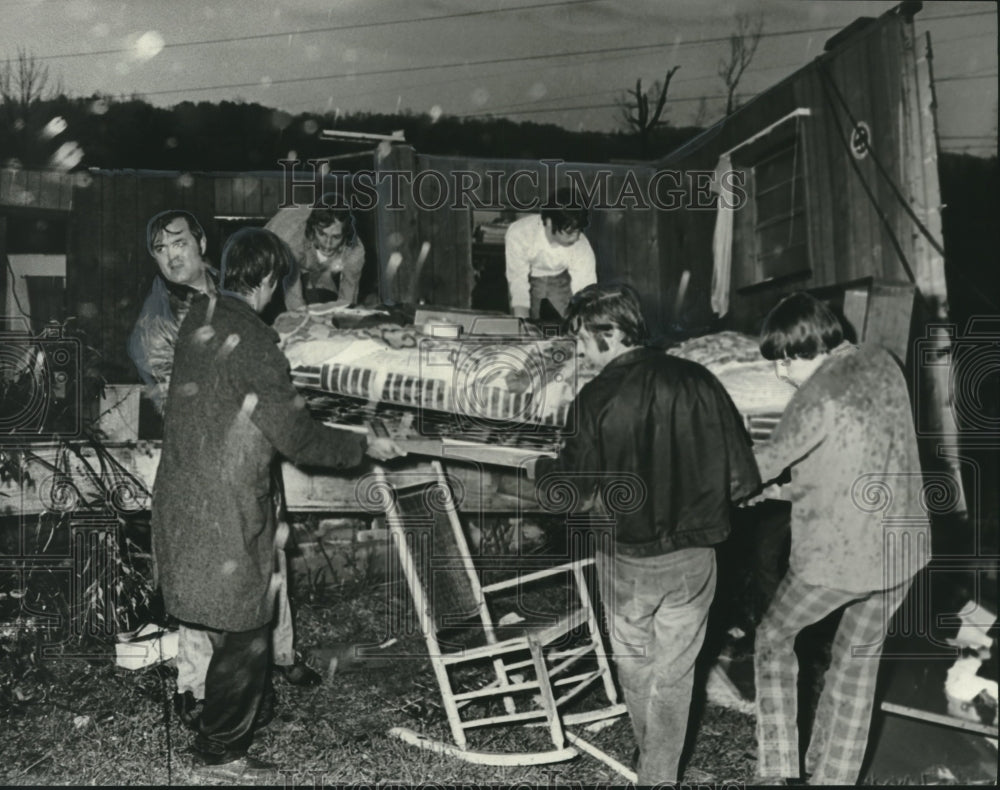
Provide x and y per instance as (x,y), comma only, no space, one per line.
(548,698)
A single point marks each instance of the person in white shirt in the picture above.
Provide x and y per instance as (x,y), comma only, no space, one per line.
(548,257)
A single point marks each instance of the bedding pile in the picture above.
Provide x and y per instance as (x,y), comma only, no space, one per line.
(497,378)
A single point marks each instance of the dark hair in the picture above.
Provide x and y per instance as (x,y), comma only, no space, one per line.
(800,327)
(326,216)
(565,210)
(158,225)
(252,255)
(601,308)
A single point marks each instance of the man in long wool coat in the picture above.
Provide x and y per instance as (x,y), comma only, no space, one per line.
(231,409)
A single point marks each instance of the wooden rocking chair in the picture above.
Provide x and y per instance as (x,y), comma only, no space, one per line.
(527,672)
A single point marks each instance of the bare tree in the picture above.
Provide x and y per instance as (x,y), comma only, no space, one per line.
(23,82)
(742,47)
(636,111)
(24,87)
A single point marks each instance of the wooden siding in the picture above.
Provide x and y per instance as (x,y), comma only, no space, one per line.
(858,209)
(109,270)
(624,240)
(397,229)
(38,189)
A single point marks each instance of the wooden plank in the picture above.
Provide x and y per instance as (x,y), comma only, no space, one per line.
(66,190)
(46,190)
(121,258)
(938,718)
(846,72)
(921,165)
(247,195)
(465,274)
(224,201)
(7,187)
(886,99)
(643,257)
(156,193)
(110,213)
(270,194)
(3,274)
(201,195)
(483,489)
(813,139)
(616,268)
(447,275)
(396,229)
(38,189)
(19,188)
(890,314)
(836,204)
(860,98)
(83,245)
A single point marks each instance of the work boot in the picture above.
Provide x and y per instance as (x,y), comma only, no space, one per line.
(265,713)
(244,769)
(300,674)
(188,709)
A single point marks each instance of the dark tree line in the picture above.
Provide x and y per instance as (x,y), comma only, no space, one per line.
(230,136)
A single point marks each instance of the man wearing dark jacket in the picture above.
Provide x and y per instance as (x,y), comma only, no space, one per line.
(231,409)
(177,242)
(665,428)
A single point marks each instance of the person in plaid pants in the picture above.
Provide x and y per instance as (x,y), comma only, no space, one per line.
(859,535)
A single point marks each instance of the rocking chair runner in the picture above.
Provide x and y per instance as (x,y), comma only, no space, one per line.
(535,668)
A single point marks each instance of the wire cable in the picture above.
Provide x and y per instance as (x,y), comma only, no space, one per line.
(880,168)
(328,29)
(827,83)
(166,727)
(456,15)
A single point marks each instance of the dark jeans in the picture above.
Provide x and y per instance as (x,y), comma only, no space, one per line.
(234,686)
(555,288)
(773,539)
(657,610)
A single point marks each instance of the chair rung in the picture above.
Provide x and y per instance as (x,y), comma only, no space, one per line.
(485,651)
(575,690)
(522,716)
(617,709)
(585,677)
(495,690)
(570,656)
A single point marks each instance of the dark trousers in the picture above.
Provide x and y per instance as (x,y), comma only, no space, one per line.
(555,288)
(773,539)
(234,686)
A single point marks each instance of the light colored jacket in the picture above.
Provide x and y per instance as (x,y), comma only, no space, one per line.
(858,518)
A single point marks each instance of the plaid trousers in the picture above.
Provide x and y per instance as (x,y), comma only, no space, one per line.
(843,716)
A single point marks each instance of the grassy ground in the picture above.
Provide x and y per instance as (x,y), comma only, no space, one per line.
(75,720)
(83,721)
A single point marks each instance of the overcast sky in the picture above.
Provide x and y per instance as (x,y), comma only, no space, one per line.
(559,62)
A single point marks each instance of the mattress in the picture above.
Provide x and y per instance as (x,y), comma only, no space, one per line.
(531,380)
(512,379)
